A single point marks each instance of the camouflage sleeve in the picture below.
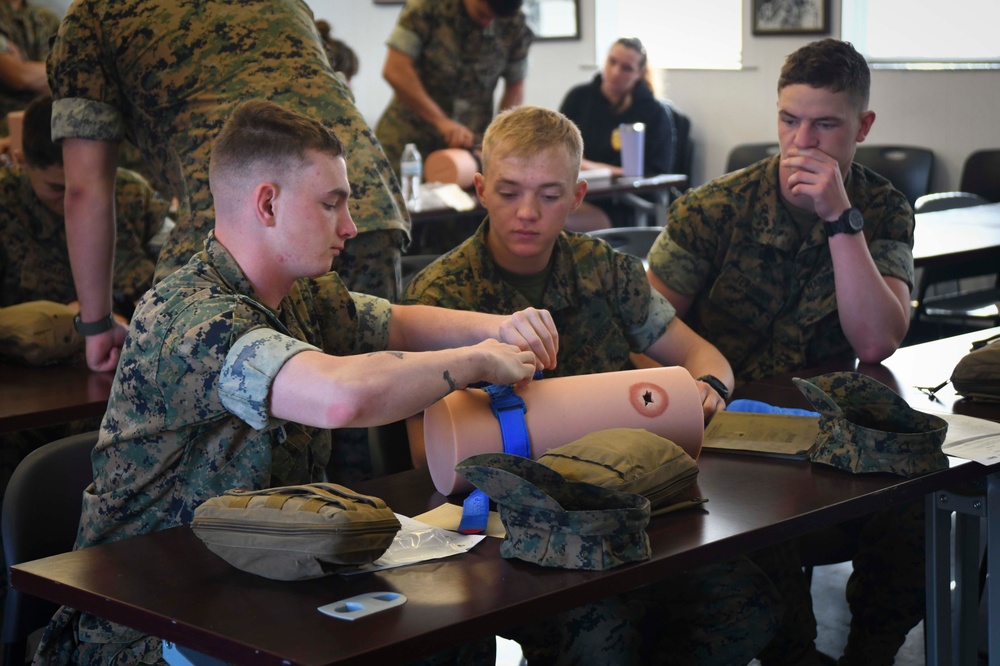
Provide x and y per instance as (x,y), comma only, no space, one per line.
(250,367)
(374,319)
(892,251)
(644,312)
(517,61)
(412,30)
(86,98)
(679,268)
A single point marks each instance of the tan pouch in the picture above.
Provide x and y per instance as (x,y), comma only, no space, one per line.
(39,333)
(977,375)
(295,532)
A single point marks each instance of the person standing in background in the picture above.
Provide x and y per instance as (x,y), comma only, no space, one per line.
(444,61)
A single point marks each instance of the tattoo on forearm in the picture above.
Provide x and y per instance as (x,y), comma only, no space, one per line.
(451,382)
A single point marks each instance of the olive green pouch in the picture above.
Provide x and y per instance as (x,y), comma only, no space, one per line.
(630,460)
(977,375)
(295,532)
(39,333)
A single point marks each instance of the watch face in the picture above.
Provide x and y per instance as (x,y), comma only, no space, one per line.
(855,220)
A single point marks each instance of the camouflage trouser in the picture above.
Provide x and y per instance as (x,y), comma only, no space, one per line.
(885,591)
(717,614)
(60,645)
(369,264)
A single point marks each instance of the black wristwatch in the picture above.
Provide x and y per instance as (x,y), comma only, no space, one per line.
(86,328)
(851,221)
(716,384)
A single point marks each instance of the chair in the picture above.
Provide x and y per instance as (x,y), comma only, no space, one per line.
(636,241)
(41,514)
(973,309)
(981,174)
(908,168)
(746,154)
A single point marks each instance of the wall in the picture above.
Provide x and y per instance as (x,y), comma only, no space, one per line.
(952,113)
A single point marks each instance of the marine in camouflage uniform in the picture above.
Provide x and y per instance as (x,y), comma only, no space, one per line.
(34,261)
(167,443)
(29,29)
(165,99)
(459,63)
(604,308)
(762,276)
(763,285)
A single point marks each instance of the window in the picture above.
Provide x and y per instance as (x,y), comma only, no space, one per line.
(956,34)
(677,34)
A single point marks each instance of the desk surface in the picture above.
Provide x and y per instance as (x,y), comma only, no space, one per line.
(960,234)
(170,585)
(33,397)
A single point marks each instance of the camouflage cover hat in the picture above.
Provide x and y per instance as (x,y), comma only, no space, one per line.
(865,426)
(559,523)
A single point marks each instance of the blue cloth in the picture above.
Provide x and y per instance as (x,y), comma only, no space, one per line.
(758,407)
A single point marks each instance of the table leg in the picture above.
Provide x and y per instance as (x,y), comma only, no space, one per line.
(937,622)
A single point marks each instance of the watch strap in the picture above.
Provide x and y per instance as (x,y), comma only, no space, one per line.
(87,328)
(716,384)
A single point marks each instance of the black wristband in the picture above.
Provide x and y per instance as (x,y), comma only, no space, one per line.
(86,328)
(716,384)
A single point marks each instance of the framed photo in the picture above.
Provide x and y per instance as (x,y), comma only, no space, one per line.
(791,17)
(553,19)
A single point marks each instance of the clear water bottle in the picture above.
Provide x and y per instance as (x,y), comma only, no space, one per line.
(411,172)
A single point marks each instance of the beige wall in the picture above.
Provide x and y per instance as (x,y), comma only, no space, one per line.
(952,113)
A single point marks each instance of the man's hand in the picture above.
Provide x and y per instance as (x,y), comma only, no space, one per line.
(711,401)
(508,363)
(533,330)
(104,349)
(817,176)
(455,134)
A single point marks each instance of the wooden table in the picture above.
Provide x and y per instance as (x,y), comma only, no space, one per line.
(34,397)
(168,584)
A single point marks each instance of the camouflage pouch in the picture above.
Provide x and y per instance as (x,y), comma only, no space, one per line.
(295,532)
(630,460)
(977,375)
(559,523)
(39,333)
(865,426)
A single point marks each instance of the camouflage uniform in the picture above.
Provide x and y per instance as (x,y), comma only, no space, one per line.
(458,63)
(137,69)
(188,416)
(764,294)
(603,307)
(165,100)
(29,29)
(763,281)
(34,261)
(602,296)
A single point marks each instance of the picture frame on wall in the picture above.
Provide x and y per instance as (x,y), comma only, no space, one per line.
(553,19)
(791,17)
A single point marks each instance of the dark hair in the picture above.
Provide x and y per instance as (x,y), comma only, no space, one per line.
(261,133)
(342,57)
(830,64)
(36,135)
(504,8)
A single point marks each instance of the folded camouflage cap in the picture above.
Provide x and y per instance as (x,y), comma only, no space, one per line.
(559,523)
(865,426)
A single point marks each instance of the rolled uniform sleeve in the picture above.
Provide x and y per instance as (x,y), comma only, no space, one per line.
(661,313)
(644,313)
(249,369)
(517,62)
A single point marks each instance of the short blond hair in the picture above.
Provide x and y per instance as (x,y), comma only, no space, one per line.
(528,130)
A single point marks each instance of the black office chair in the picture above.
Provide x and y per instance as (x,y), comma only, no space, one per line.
(746,154)
(981,174)
(636,241)
(908,168)
(41,514)
(942,306)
